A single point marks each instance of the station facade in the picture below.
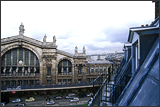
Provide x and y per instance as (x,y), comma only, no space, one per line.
(26,61)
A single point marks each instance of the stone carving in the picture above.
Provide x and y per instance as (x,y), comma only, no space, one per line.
(23,69)
(34,69)
(44,39)
(54,40)
(76,50)
(21,29)
(17,70)
(10,70)
(4,70)
(84,50)
(28,69)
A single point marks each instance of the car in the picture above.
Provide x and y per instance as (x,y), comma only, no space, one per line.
(51,102)
(71,94)
(90,95)
(16,100)
(69,97)
(30,99)
(3,103)
(21,104)
(58,98)
(74,100)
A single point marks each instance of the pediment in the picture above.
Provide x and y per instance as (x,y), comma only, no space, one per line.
(20,39)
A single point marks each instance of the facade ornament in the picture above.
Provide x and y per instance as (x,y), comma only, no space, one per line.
(28,69)
(44,39)
(34,69)
(76,50)
(84,50)
(21,29)
(4,70)
(23,69)
(17,70)
(54,40)
(10,70)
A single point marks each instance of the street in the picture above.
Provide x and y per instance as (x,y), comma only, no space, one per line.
(41,101)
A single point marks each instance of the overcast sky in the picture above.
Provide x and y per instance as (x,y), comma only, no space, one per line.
(100,26)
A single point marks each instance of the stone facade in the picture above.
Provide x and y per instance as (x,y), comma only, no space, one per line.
(51,65)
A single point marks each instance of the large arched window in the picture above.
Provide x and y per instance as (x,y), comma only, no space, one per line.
(19,60)
(65,67)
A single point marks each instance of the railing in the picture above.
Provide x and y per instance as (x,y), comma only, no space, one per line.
(46,86)
(20,74)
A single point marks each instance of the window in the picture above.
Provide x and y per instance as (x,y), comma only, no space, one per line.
(88,70)
(25,82)
(64,70)
(19,82)
(65,66)
(7,83)
(64,81)
(96,69)
(59,81)
(101,69)
(69,81)
(13,83)
(104,69)
(26,58)
(14,57)
(21,54)
(48,82)
(48,70)
(8,58)
(92,69)
(79,81)
(31,58)
(31,82)
(88,80)
(2,82)
(79,70)
(136,56)
(37,82)
(2,61)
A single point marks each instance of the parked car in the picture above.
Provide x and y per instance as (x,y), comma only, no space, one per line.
(3,103)
(82,95)
(58,98)
(90,95)
(50,102)
(30,99)
(21,104)
(16,100)
(71,94)
(74,100)
(70,97)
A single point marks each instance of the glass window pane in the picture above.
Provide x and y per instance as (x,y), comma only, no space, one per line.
(8,58)
(26,57)
(14,56)
(31,58)
(21,54)
(2,61)
(65,63)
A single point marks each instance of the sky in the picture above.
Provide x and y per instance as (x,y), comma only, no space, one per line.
(100,26)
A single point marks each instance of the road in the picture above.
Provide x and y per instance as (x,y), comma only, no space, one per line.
(62,102)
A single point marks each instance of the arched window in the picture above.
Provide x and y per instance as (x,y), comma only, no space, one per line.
(12,58)
(65,67)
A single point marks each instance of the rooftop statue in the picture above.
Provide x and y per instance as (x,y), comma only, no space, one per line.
(44,39)
(21,29)
(84,50)
(76,50)
(54,39)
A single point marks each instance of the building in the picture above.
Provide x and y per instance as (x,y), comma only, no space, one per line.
(136,80)
(26,61)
